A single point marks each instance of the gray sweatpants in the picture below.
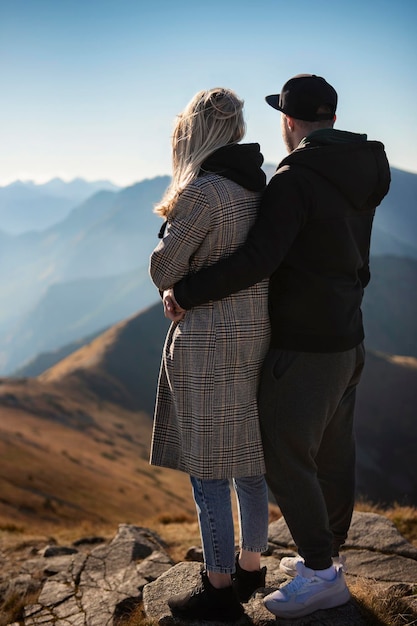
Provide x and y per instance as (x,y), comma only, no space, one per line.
(306,407)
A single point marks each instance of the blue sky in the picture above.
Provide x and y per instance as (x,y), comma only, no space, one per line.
(91,88)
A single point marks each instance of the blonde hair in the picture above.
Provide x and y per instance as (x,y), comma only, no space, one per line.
(211,120)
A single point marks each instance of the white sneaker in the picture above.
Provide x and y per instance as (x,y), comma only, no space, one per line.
(288,564)
(308,592)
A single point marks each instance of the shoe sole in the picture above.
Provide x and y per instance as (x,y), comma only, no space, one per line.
(279,610)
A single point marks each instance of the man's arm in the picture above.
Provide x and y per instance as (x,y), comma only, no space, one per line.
(280,218)
(364,274)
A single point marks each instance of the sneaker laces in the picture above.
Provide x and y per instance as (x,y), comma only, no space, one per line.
(298,582)
(295,585)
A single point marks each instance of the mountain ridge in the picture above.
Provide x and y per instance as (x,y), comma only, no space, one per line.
(25,205)
(98,400)
(104,395)
(74,441)
(113,233)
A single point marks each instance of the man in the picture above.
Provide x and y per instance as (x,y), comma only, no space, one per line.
(312,239)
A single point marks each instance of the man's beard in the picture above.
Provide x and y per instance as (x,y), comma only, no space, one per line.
(288,138)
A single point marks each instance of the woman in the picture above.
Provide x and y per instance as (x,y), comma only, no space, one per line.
(206,421)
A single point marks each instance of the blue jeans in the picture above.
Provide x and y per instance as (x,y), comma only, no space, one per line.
(214,509)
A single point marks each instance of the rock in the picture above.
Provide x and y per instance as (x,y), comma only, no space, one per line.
(106,581)
(65,567)
(58,551)
(195,553)
(154,565)
(278,534)
(185,576)
(387,558)
(370,545)
(346,615)
(367,530)
(177,579)
(23,585)
(88,541)
(55,592)
(371,564)
(378,533)
(97,588)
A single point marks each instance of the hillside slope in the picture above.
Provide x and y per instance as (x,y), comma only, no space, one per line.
(386,429)
(75,309)
(110,236)
(390,306)
(121,365)
(74,443)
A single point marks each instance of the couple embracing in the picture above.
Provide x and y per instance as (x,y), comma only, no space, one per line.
(264,284)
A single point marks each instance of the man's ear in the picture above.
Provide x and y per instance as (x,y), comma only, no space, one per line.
(289,122)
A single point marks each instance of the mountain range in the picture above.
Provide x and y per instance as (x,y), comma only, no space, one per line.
(81,333)
(26,206)
(74,441)
(110,236)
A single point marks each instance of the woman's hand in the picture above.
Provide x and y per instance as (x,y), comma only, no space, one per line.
(172,309)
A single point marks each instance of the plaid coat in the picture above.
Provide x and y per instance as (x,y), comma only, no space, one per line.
(206,420)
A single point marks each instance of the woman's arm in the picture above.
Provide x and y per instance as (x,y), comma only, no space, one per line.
(170,260)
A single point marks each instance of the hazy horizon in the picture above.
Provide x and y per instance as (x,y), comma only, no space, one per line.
(91,90)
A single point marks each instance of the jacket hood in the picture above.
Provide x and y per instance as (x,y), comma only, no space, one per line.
(358,168)
(240,163)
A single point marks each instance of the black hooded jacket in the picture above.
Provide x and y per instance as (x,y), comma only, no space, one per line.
(312,239)
(240,162)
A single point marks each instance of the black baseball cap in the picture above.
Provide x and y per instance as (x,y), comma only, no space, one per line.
(301,97)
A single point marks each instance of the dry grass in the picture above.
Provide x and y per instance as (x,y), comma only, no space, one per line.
(378,607)
(51,472)
(13,605)
(404,518)
(382,605)
(98,476)
(180,531)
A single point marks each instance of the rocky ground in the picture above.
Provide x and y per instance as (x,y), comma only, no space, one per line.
(127,581)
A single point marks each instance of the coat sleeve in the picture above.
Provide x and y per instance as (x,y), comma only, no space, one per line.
(281,216)
(172,258)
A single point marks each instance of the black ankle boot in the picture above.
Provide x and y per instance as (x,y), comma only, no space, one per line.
(205,602)
(246,583)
